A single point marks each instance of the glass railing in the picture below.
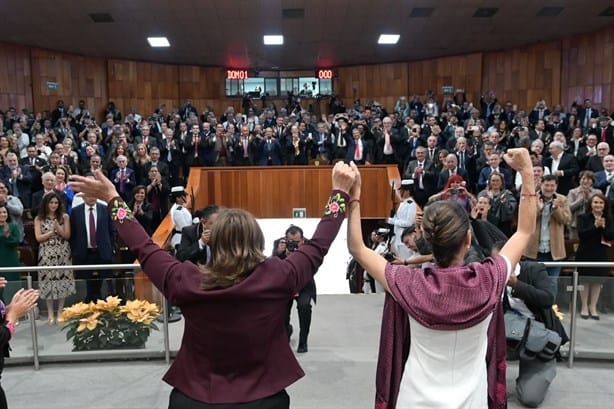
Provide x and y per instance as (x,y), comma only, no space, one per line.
(93,333)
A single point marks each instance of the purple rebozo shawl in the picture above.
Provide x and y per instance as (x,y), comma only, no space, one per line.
(452,298)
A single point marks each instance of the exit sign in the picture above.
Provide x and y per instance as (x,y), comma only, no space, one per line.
(52,85)
(299,213)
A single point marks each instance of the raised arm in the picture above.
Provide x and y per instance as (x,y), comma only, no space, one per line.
(369,259)
(519,160)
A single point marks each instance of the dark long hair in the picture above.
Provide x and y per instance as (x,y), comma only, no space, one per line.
(43,211)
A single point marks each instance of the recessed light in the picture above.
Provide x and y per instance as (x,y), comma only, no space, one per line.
(273,39)
(388,39)
(158,41)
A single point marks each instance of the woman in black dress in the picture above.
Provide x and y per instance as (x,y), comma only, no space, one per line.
(596,232)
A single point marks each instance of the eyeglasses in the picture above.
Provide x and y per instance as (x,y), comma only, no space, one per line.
(602,149)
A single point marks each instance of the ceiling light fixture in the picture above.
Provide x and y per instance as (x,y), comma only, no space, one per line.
(273,39)
(158,41)
(388,38)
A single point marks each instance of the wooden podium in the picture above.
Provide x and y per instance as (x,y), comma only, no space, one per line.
(273,192)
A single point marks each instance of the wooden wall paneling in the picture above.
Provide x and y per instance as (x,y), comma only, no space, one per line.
(146,86)
(383,83)
(77,78)
(464,72)
(15,77)
(274,191)
(587,68)
(205,87)
(524,74)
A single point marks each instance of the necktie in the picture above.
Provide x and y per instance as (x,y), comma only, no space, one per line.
(92,223)
(245,143)
(340,140)
(430,153)
(420,184)
(122,182)
(169,156)
(603,135)
(32,161)
(195,142)
(462,160)
(357,155)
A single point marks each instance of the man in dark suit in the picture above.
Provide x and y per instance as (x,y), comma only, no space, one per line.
(195,238)
(494,162)
(92,241)
(563,165)
(585,114)
(18,178)
(466,160)
(194,146)
(162,166)
(529,293)
(605,177)
(170,153)
(282,248)
(35,164)
(359,150)
(539,112)
(147,138)
(604,132)
(124,178)
(424,176)
(450,168)
(269,150)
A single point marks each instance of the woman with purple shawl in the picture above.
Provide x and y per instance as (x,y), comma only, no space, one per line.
(451,351)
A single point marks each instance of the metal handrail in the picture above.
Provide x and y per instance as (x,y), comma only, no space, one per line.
(27,269)
(137,267)
(97,267)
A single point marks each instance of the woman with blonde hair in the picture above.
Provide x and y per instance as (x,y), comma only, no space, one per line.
(235,347)
(455,331)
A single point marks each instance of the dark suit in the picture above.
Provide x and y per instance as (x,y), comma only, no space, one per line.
(21,186)
(366,152)
(584,113)
(485,174)
(162,167)
(125,189)
(269,152)
(601,181)
(35,183)
(445,175)
(189,248)
(102,254)
(429,181)
(569,165)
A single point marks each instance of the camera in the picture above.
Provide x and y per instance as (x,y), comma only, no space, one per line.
(291,245)
(454,191)
(389,256)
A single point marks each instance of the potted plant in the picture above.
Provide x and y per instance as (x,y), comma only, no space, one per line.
(109,325)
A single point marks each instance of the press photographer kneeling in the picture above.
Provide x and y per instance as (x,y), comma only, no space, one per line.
(527,303)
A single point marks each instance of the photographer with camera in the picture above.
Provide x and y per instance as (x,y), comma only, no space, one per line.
(282,248)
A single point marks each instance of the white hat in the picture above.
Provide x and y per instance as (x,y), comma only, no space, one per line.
(407,183)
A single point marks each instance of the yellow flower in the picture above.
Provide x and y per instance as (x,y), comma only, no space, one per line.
(88,322)
(74,310)
(140,311)
(109,304)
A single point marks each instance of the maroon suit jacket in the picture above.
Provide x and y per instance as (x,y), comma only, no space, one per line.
(235,345)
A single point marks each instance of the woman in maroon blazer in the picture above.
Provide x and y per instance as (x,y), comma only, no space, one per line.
(235,347)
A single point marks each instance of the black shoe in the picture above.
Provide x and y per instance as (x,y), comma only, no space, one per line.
(584,316)
(595,317)
(302,348)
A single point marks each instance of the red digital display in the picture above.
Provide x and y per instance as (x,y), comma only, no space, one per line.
(325,74)
(236,75)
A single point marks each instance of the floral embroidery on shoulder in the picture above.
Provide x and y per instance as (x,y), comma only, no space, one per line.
(335,205)
(120,211)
